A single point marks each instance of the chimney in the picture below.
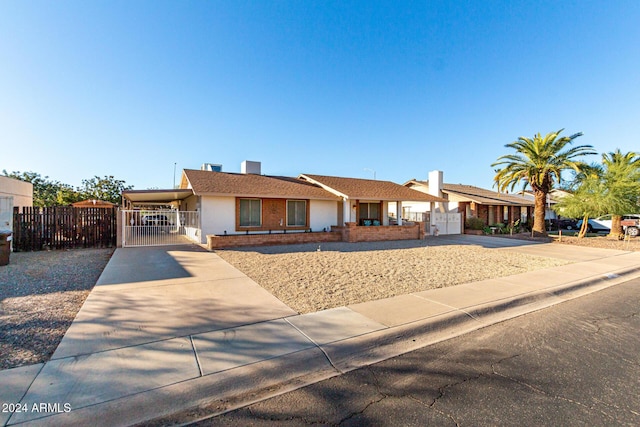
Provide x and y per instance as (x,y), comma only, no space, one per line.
(435,183)
(249,167)
(435,189)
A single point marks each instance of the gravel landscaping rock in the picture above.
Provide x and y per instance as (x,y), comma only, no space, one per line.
(40,295)
(312,277)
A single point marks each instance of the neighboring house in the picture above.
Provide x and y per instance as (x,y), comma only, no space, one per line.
(14,193)
(365,201)
(490,206)
(20,191)
(94,204)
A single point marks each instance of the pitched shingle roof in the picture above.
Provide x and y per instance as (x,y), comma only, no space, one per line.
(480,195)
(367,189)
(208,183)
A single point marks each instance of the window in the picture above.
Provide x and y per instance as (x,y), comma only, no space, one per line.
(370,211)
(296,213)
(250,213)
(505,213)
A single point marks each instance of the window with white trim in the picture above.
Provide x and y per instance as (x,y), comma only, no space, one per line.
(250,212)
(296,213)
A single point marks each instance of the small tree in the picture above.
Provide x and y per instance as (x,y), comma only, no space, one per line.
(611,187)
(587,200)
(108,189)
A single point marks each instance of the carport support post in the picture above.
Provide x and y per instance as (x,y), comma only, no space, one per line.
(119,221)
(399,212)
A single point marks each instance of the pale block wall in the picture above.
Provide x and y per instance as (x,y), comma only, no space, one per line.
(21,191)
(323,214)
(217,214)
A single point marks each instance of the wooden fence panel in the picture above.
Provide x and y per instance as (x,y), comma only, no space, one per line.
(63,227)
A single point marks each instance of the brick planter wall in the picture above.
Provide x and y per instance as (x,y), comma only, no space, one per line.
(349,233)
(354,233)
(232,241)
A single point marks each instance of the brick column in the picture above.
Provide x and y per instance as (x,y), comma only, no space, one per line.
(422,229)
(349,232)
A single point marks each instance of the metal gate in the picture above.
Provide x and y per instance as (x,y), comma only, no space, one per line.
(447,223)
(159,227)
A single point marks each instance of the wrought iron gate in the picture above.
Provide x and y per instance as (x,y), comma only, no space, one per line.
(159,227)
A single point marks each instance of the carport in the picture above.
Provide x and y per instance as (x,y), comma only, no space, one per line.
(155,218)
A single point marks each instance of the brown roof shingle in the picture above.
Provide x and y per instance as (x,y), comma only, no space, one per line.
(210,183)
(480,195)
(368,189)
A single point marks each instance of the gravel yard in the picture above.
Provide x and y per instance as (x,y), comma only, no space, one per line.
(309,280)
(40,295)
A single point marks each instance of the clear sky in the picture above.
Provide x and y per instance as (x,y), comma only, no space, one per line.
(132,88)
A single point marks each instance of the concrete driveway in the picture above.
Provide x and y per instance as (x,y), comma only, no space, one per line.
(150,294)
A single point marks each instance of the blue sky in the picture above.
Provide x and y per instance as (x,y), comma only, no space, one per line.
(130,88)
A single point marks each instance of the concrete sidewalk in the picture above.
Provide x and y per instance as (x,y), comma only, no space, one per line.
(176,329)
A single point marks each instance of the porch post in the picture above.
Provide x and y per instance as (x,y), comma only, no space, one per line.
(346,210)
(432,219)
(399,212)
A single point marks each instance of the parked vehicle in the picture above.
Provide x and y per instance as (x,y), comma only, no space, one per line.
(603,224)
(594,227)
(562,224)
(155,220)
(632,230)
(568,224)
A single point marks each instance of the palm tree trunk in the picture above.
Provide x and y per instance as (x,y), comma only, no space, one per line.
(616,228)
(539,228)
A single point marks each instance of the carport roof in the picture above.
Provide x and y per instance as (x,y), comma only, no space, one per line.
(156,196)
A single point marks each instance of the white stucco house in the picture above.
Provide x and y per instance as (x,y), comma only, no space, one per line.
(252,205)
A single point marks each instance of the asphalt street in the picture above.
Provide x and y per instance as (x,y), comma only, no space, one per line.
(577,363)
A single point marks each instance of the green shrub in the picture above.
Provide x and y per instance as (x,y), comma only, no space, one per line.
(474,223)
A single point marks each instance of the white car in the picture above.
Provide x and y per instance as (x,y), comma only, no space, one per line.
(605,222)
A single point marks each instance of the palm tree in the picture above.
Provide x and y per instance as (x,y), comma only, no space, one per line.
(622,178)
(539,163)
